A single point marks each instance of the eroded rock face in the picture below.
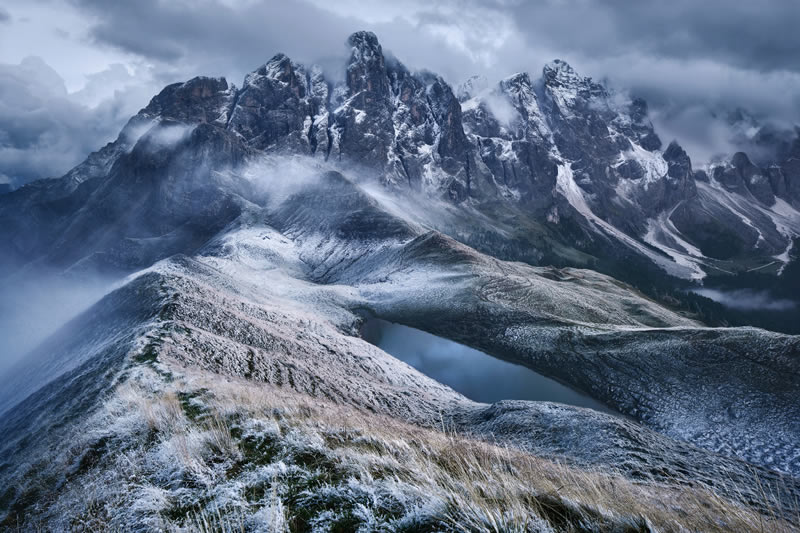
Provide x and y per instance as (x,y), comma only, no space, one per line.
(513,140)
(364,128)
(165,196)
(680,184)
(200,99)
(761,179)
(272,108)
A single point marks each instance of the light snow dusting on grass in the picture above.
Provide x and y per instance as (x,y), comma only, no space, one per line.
(183,450)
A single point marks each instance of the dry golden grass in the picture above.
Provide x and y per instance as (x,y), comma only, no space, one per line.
(181,442)
(486,487)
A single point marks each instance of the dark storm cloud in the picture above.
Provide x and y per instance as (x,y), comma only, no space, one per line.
(212,37)
(242,36)
(690,49)
(44,130)
(760,35)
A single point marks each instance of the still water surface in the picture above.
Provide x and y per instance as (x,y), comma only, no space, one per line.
(474,374)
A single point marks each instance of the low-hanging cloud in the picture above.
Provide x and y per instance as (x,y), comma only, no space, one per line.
(747,300)
(501,108)
(35,306)
(169,135)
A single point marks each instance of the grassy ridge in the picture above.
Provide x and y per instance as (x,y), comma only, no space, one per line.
(182,450)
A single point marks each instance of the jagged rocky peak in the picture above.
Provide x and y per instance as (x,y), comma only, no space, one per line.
(280,68)
(791,171)
(578,97)
(452,144)
(407,125)
(640,125)
(639,110)
(366,69)
(200,99)
(281,72)
(680,164)
(512,140)
(506,107)
(561,72)
(680,179)
(560,78)
(278,73)
(365,48)
(519,89)
(740,160)
(586,122)
(591,108)
(362,132)
(517,81)
(273,108)
(769,169)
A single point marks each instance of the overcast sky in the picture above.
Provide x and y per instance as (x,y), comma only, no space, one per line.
(73,71)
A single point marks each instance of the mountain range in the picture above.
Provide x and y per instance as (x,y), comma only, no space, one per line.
(252,231)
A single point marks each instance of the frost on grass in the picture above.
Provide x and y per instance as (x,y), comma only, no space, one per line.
(175,449)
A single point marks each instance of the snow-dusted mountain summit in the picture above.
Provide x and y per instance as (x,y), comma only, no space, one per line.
(559,169)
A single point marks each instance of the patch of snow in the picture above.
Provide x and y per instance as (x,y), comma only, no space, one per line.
(274,70)
(690,256)
(783,216)
(653,163)
(565,184)
(565,93)
(787,221)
